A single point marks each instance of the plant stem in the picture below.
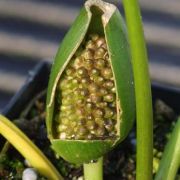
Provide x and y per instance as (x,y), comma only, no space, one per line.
(94,171)
(144,114)
(28,149)
(5,148)
(170,161)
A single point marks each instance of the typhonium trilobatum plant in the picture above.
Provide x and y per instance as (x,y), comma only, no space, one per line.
(90,100)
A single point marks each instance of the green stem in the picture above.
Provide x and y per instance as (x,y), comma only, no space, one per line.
(170,161)
(144,114)
(94,171)
(5,148)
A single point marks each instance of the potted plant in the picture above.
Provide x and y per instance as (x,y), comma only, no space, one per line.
(105,119)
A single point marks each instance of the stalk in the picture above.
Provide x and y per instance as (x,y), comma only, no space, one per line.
(170,161)
(94,171)
(28,149)
(144,114)
(5,148)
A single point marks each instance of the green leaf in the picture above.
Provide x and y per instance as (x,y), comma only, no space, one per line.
(28,149)
(170,161)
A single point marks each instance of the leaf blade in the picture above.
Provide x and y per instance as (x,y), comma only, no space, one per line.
(28,149)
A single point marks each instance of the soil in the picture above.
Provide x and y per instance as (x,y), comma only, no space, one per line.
(118,164)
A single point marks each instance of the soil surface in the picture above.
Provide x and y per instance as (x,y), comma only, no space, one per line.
(118,164)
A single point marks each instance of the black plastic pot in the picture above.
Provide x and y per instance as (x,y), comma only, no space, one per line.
(38,80)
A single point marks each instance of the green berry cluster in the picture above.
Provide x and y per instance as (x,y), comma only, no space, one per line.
(87,105)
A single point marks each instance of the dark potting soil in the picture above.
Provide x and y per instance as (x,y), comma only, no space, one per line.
(119,164)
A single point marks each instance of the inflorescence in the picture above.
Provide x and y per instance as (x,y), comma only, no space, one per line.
(87,94)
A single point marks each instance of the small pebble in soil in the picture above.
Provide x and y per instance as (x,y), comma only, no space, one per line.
(27,163)
(80,178)
(29,174)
